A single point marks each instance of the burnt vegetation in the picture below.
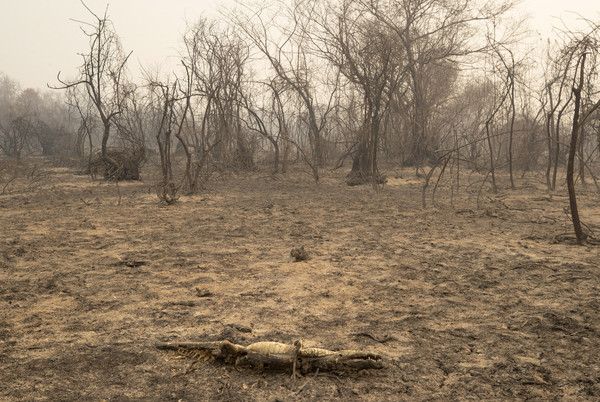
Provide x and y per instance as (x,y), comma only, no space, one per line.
(442,87)
(438,119)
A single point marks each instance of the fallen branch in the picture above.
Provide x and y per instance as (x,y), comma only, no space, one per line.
(380,340)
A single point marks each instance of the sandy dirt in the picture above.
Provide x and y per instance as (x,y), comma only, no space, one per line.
(478,302)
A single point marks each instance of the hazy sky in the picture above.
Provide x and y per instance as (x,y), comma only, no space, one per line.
(38,37)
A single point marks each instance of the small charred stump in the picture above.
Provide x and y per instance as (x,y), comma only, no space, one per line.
(299,254)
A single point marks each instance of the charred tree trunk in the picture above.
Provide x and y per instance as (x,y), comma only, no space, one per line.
(364,165)
(512,126)
(581,157)
(363,160)
(490,146)
(105,136)
(549,128)
(571,162)
(557,142)
(577,125)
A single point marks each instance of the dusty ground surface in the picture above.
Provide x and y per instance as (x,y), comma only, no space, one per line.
(478,302)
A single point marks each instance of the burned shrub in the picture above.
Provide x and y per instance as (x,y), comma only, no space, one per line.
(118,164)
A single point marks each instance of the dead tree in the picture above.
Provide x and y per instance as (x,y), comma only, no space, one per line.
(162,100)
(579,120)
(509,66)
(434,35)
(102,74)
(369,58)
(216,58)
(283,36)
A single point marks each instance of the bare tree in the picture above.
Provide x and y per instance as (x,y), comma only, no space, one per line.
(282,35)
(262,120)
(162,101)
(84,110)
(432,33)
(102,74)
(585,47)
(559,103)
(216,59)
(367,55)
(508,62)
